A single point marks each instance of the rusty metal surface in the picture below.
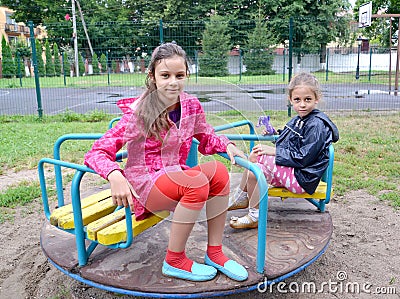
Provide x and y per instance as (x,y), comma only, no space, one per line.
(296,233)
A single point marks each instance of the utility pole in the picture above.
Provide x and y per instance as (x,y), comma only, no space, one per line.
(75,38)
(84,27)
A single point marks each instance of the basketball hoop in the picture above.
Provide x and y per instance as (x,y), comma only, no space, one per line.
(364,16)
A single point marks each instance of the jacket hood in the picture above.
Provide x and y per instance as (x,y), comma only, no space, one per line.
(328,122)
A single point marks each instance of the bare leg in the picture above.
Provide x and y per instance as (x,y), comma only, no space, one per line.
(252,189)
(243,182)
(216,209)
(181,227)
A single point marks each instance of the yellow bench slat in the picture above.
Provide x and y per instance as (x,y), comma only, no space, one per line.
(116,232)
(89,213)
(93,228)
(67,209)
(320,192)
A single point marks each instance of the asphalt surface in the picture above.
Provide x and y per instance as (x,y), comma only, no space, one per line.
(214,98)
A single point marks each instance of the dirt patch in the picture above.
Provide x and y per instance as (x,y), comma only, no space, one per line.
(362,258)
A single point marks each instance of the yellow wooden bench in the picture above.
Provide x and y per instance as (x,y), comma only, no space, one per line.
(320,192)
(104,223)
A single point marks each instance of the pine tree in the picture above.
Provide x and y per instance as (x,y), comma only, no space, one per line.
(49,60)
(57,60)
(9,69)
(258,57)
(81,65)
(216,45)
(103,62)
(113,66)
(39,58)
(95,64)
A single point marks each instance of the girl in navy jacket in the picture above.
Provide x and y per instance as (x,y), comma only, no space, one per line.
(300,156)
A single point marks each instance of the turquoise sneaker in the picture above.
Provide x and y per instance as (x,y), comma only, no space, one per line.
(199,272)
(231,269)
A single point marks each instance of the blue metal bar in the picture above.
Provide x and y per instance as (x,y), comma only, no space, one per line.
(57,156)
(111,123)
(238,124)
(263,216)
(42,178)
(129,230)
(43,188)
(78,222)
(329,174)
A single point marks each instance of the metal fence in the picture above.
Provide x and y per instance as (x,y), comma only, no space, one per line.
(353,78)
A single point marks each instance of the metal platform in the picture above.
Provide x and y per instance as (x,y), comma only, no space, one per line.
(297,234)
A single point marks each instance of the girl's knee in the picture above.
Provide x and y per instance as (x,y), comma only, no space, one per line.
(220,183)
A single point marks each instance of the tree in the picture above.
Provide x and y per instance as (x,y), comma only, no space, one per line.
(50,71)
(39,57)
(81,65)
(258,56)
(57,61)
(8,63)
(95,64)
(321,22)
(103,63)
(216,45)
(23,53)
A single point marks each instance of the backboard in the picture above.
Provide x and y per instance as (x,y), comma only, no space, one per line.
(364,16)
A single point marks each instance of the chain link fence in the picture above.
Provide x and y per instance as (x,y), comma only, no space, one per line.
(112,66)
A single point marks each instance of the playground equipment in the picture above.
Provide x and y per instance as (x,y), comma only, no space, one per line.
(130,255)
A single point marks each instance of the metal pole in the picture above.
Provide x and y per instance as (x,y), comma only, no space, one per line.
(358,60)
(161,32)
(390,55)
(84,27)
(370,63)
(63,67)
(289,109)
(284,65)
(75,37)
(327,65)
(240,64)
(35,69)
(19,69)
(396,81)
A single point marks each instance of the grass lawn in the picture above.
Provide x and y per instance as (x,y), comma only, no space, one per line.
(366,156)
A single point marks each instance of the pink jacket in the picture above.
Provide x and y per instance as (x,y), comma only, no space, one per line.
(148,158)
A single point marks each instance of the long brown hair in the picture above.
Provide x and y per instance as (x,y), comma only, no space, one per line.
(150,108)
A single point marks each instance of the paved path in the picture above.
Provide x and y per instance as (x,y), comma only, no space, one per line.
(214,98)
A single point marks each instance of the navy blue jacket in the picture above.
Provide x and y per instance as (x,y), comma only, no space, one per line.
(303,144)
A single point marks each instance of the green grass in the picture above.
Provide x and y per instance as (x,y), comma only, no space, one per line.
(366,156)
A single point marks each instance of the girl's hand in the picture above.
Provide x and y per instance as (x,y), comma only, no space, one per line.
(120,190)
(262,149)
(233,151)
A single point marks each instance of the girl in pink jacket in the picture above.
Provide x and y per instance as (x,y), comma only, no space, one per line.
(157,129)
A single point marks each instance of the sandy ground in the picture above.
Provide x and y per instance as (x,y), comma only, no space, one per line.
(362,260)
